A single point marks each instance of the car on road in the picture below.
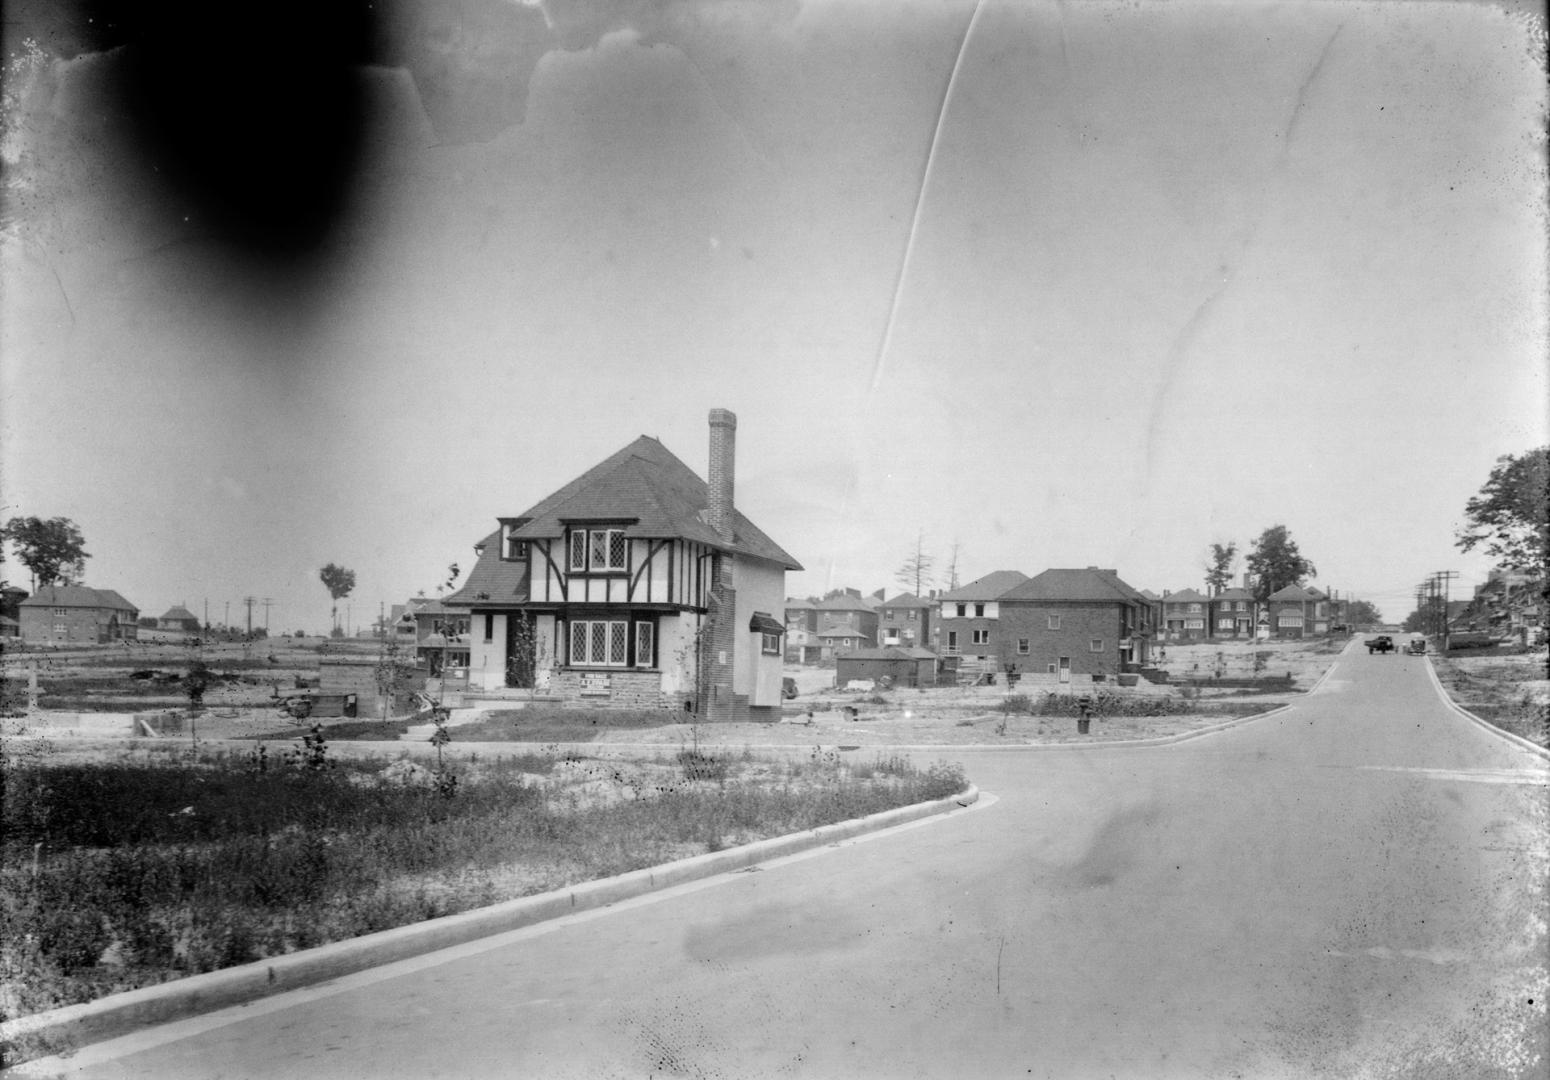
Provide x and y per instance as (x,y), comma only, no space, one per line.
(1381,643)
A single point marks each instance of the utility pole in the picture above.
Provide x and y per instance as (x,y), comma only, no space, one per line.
(266,603)
(226,622)
(250,601)
(1444,581)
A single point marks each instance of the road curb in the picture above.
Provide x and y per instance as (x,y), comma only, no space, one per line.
(1442,691)
(119,1014)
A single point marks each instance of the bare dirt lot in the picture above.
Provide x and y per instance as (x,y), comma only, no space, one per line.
(1511,692)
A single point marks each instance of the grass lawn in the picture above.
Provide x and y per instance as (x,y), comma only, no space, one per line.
(1510,691)
(127,872)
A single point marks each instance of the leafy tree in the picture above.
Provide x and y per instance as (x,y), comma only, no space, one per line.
(1276,563)
(916,573)
(54,550)
(339,582)
(1362,612)
(1219,568)
(1511,514)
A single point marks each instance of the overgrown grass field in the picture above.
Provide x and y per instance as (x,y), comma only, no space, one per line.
(123,874)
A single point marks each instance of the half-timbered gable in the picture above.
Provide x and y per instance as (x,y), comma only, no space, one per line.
(603,591)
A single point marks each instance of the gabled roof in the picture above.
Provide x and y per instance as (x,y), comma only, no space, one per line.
(990,587)
(890,652)
(77,596)
(1090,584)
(907,600)
(1234,594)
(845,602)
(492,580)
(840,631)
(655,494)
(179,613)
(1296,592)
(1185,596)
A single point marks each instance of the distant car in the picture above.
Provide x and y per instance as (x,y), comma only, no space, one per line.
(1417,646)
(1381,643)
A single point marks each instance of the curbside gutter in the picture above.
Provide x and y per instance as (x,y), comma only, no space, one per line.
(1447,699)
(119,1014)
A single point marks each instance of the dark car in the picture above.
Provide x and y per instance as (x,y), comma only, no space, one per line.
(1381,643)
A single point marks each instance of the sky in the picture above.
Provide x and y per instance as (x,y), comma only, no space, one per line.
(1039,284)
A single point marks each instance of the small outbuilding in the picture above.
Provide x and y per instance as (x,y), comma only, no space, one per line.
(902,666)
(178,617)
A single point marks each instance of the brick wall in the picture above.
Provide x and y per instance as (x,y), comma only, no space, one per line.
(1079,624)
(613,690)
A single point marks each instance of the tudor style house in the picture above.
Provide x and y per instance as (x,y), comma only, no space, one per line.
(1075,622)
(635,585)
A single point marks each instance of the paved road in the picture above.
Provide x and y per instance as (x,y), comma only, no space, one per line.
(1354,887)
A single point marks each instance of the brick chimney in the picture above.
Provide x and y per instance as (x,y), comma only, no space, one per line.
(719,643)
(723,453)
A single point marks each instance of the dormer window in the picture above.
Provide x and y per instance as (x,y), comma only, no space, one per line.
(597,550)
(513,549)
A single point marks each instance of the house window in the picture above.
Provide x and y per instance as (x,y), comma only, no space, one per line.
(60,612)
(597,550)
(1291,620)
(1054,622)
(1095,645)
(981,637)
(1243,605)
(1194,609)
(1023,645)
(963,609)
(645,644)
(1194,624)
(910,615)
(59,628)
(770,644)
(1049,669)
(511,547)
(598,642)
(979,611)
(489,627)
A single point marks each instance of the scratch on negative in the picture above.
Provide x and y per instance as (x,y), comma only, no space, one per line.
(920,199)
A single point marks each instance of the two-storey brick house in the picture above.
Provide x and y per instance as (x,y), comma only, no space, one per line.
(1186,615)
(1232,614)
(61,614)
(636,584)
(906,621)
(968,615)
(1297,611)
(1075,622)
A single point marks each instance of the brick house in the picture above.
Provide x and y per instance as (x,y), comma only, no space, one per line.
(60,614)
(440,634)
(178,617)
(850,610)
(906,621)
(1298,611)
(1232,614)
(637,584)
(1186,615)
(1075,622)
(968,615)
(836,641)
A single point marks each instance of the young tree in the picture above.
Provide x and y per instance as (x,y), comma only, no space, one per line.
(915,575)
(339,582)
(54,550)
(1276,563)
(1219,566)
(1511,515)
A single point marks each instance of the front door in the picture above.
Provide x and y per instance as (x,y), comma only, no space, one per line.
(519,650)
(1065,669)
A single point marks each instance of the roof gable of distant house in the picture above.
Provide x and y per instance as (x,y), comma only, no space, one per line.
(79,596)
(990,587)
(907,600)
(1296,592)
(1185,596)
(1076,585)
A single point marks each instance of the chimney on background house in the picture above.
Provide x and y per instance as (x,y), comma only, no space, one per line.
(723,452)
